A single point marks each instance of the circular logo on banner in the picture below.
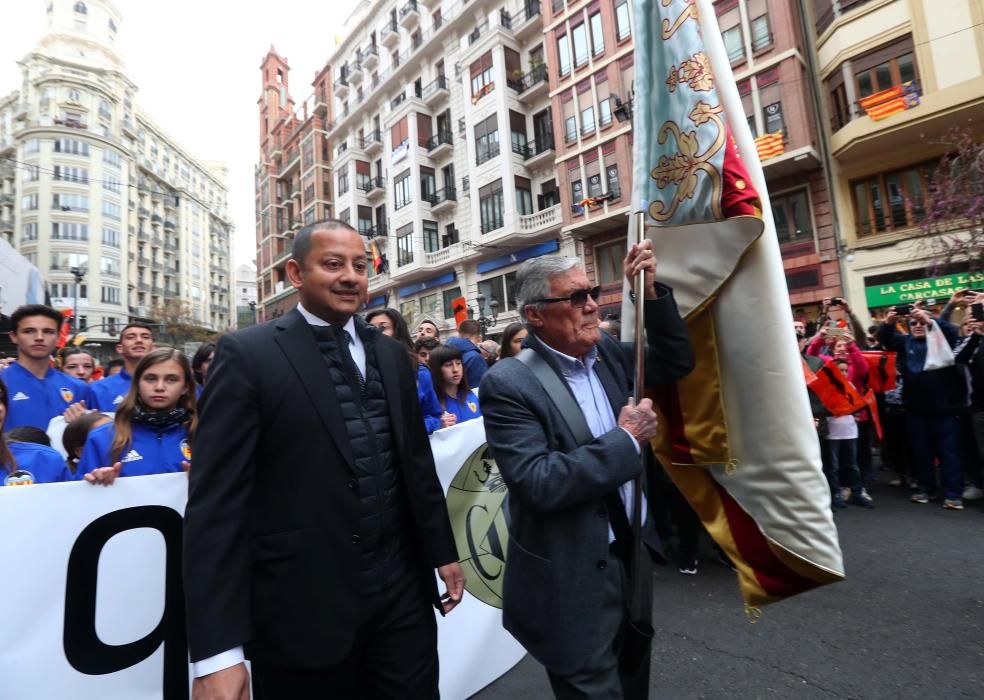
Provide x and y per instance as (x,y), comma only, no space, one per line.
(19,478)
(475,503)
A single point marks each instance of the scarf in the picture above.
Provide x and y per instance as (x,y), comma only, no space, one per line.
(159,420)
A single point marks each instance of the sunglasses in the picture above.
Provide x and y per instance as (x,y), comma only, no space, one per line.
(577,299)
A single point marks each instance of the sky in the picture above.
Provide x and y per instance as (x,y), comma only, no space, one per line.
(196,64)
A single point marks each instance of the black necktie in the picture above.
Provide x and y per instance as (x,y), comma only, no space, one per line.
(343,338)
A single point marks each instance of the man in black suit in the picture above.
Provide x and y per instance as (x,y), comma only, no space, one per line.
(315,517)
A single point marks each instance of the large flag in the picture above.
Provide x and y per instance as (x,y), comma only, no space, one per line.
(738,437)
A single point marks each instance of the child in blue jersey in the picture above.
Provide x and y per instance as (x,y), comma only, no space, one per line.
(153,427)
(451,385)
(38,392)
(25,463)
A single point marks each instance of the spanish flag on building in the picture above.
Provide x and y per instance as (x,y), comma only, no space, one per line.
(738,437)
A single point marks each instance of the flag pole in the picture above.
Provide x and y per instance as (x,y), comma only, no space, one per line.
(636,583)
(639,288)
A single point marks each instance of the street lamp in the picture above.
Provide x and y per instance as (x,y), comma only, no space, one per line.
(79,274)
(486,322)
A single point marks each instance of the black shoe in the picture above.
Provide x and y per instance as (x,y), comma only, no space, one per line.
(688,567)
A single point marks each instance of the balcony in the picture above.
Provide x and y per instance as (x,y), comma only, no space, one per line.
(492,223)
(440,144)
(377,281)
(6,200)
(390,36)
(372,142)
(355,72)
(542,221)
(370,56)
(320,102)
(524,23)
(536,153)
(533,85)
(6,226)
(143,235)
(484,155)
(445,256)
(377,231)
(157,291)
(443,200)
(142,261)
(169,225)
(156,219)
(409,15)
(143,287)
(341,87)
(156,241)
(143,213)
(374,187)
(435,92)
(156,266)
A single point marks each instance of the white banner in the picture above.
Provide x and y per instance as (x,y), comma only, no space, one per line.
(93,584)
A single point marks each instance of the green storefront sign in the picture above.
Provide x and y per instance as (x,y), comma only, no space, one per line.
(939,288)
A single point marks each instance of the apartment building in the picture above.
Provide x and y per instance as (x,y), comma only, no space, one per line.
(896,76)
(293,176)
(120,220)
(442,150)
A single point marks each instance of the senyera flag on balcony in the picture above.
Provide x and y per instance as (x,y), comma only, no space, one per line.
(769,146)
(891,101)
(738,437)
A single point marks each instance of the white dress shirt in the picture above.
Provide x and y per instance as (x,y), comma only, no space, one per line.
(598,412)
(235,656)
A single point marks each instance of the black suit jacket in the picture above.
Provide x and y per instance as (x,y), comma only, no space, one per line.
(271,553)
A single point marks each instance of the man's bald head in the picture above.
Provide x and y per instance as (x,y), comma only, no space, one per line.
(302,239)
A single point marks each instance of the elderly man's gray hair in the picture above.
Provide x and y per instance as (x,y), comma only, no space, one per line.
(533,279)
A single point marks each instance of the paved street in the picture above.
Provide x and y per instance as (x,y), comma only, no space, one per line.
(907,623)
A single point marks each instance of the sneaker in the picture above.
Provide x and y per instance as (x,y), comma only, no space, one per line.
(863,500)
(953,504)
(973,493)
(919,497)
(688,567)
(895,482)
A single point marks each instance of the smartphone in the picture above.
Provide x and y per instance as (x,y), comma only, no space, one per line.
(978,311)
(837,301)
(903,309)
(835,331)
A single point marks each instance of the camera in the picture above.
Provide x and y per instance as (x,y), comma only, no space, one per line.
(903,309)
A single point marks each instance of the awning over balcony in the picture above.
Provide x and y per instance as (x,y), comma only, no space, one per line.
(533,251)
(427,284)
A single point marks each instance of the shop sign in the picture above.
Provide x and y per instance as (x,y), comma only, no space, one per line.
(939,288)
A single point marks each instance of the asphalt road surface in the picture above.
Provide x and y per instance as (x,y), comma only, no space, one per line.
(908,622)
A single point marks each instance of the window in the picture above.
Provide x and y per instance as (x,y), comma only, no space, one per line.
(408,310)
(32,146)
(570,129)
(29,232)
(70,202)
(891,201)
(343,181)
(580,36)
(564,54)
(363,175)
(481,75)
(109,266)
(110,295)
(733,44)
(69,231)
(66,290)
(111,157)
(67,173)
(608,262)
(72,146)
(111,211)
(604,111)
(494,288)
(791,213)
(490,206)
(597,35)
(111,237)
(66,261)
(83,323)
(80,8)
(448,296)
(111,183)
(592,169)
(587,120)
(404,245)
(887,74)
(29,202)
(622,27)
(577,186)
(486,140)
(432,239)
(402,190)
(761,36)
(524,196)
(428,185)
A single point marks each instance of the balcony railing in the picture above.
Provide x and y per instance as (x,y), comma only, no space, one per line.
(486,154)
(534,148)
(375,183)
(441,83)
(492,223)
(443,196)
(377,231)
(372,140)
(542,219)
(441,137)
(537,75)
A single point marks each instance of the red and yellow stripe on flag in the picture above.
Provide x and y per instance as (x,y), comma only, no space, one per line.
(770,146)
(885,103)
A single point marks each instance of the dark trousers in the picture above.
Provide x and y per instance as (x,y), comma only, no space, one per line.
(842,466)
(971,447)
(931,436)
(865,430)
(601,678)
(895,447)
(394,655)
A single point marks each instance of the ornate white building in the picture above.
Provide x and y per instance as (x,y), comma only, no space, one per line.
(91,188)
